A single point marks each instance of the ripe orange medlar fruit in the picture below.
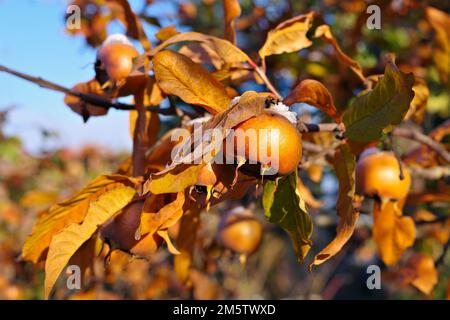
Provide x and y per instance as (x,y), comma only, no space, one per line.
(278,130)
(378,174)
(120,232)
(115,63)
(81,107)
(117,59)
(240,231)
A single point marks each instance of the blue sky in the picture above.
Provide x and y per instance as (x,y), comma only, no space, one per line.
(33,40)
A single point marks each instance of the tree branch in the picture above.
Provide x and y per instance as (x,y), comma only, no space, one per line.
(303,127)
(88,98)
(424,139)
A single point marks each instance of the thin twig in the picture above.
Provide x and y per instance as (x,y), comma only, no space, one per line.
(321,127)
(88,98)
(424,139)
(264,78)
(441,258)
(397,156)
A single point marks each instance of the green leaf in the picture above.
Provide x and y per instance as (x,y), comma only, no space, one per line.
(284,207)
(379,109)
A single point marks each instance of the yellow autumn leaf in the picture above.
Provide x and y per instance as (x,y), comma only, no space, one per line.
(38,198)
(178,75)
(419,102)
(167,32)
(163,218)
(173,181)
(228,52)
(288,36)
(392,232)
(65,243)
(70,211)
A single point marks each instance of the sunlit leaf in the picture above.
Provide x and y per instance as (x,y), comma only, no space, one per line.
(173,181)
(68,212)
(178,75)
(225,50)
(288,36)
(392,232)
(153,220)
(65,243)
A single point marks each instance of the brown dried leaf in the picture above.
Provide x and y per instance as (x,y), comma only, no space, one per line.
(316,94)
(344,164)
(91,87)
(288,36)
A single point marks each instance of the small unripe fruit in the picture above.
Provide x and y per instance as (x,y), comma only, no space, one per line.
(272,131)
(378,174)
(240,232)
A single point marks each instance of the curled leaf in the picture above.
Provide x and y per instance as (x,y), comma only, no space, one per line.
(316,94)
(344,165)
